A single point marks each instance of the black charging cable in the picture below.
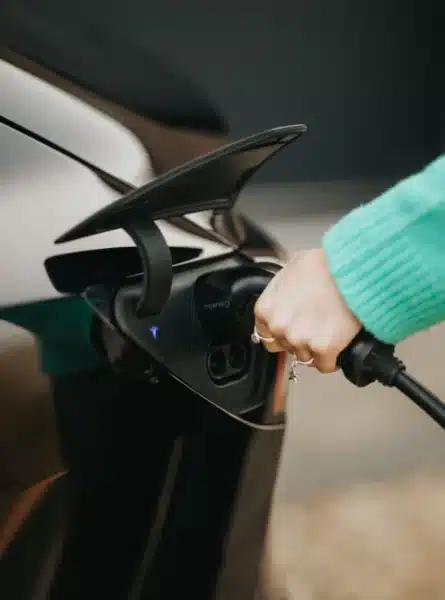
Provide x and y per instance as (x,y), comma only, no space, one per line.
(367,360)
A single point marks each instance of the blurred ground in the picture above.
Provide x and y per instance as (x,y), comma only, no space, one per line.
(360,502)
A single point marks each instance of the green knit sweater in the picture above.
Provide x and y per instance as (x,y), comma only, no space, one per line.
(388,257)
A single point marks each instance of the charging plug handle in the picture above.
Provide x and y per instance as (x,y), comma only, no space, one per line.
(367,360)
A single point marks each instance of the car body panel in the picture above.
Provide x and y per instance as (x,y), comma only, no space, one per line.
(71,124)
(160,492)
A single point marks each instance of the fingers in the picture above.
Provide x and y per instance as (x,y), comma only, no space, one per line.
(299,345)
(325,351)
(296,340)
(265,332)
(325,362)
(304,312)
(306,349)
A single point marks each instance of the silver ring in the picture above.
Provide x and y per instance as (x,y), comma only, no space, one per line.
(257,338)
(304,362)
(293,371)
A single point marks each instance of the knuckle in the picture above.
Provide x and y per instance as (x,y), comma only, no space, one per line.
(261,309)
(322,347)
(295,340)
(295,336)
(277,325)
(325,367)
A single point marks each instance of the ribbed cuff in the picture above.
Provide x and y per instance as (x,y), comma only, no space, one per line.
(388,279)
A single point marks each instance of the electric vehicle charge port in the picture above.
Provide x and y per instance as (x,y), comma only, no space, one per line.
(228,363)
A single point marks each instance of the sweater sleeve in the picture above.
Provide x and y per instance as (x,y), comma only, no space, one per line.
(388,257)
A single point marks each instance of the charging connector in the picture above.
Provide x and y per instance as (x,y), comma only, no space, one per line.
(367,360)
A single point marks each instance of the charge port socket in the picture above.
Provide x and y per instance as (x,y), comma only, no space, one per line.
(229,362)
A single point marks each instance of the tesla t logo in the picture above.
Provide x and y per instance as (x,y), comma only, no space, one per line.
(154,331)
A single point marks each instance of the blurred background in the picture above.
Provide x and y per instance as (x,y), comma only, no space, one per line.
(365,467)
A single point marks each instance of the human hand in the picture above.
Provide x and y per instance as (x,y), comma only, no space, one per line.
(304,312)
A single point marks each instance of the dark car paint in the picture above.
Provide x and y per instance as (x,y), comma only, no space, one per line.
(165,494)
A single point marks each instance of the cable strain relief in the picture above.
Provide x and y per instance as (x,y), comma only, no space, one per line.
(386,368)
